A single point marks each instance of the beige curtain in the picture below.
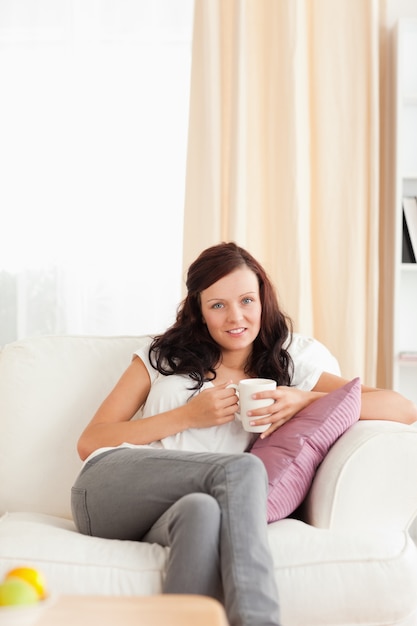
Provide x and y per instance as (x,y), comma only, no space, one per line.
(283,157)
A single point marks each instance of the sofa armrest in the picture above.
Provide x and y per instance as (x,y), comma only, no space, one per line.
(367,480)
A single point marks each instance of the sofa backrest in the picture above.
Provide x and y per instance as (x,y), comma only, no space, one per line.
(50,387)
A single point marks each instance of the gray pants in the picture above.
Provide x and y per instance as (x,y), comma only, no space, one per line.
(210,509)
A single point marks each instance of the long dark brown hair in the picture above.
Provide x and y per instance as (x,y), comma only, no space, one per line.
(187,347)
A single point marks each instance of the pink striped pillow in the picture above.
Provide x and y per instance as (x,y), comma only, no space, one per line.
(294,451)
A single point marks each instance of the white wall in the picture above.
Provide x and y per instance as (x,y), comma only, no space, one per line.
(399,8)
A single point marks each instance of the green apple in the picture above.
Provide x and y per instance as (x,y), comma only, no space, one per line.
(15,591)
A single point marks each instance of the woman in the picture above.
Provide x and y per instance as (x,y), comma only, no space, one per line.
(179,475)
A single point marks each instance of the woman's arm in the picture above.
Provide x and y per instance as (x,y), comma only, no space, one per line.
(112,425)
(377,404)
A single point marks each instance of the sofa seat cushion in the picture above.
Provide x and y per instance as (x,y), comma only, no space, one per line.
(77,564)
(330,575)
(313,567)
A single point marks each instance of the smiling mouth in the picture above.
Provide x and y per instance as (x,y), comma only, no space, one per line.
(236,331)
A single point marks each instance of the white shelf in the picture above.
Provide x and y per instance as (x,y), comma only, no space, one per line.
(405,363)
(405,289)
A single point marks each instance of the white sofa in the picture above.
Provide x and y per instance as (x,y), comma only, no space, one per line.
(350,560)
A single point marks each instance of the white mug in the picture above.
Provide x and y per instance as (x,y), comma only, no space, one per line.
(244,391)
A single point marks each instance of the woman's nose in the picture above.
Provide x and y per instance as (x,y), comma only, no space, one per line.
(235,313)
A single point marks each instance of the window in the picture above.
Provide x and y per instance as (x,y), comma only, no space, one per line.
(93,134)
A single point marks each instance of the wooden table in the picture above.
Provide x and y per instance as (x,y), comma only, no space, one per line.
(157,610)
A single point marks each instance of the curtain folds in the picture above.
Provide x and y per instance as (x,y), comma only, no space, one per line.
(283,157)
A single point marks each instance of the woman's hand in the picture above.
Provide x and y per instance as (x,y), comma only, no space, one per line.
(213,406)
(287,402)
(379,404)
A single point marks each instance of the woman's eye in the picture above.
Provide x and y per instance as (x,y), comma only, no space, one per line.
(247,300)
(218,305)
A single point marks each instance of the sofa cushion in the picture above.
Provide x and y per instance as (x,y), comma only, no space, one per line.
(75,564)
(344,577)
(293,452)
(50,387)
(314,568)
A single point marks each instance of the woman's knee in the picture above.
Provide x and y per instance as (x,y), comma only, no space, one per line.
(202,508)
(249,467)
(194,519)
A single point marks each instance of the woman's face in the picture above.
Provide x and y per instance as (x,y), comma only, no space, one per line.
(231,309)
